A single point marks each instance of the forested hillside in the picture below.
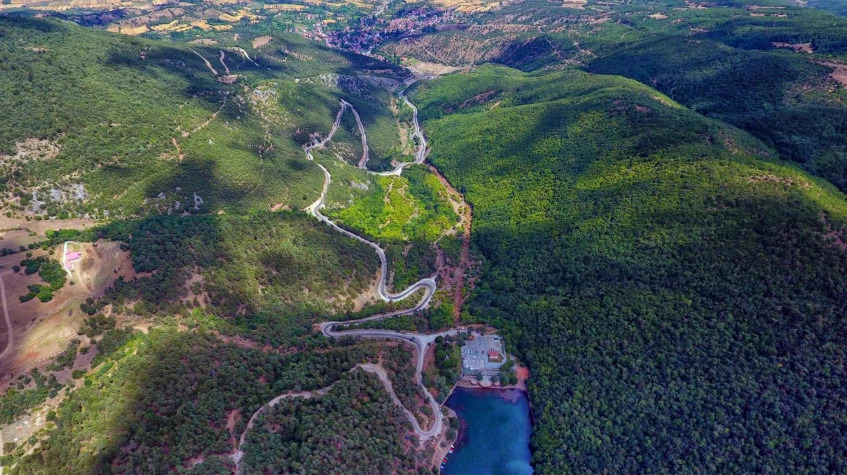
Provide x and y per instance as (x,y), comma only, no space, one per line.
(774,69)
(657,192)
(677,291)
(190,159)
(834,6)
(165,400)
(744,70)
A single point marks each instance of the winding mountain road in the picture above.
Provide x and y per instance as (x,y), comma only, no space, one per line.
(419,340)
(315,210)
(420,154)
(239,453)
(378,370)
(208,64)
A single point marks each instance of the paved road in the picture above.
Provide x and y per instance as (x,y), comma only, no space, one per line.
(315,210)
(421,341)
(420,155)
(363,162)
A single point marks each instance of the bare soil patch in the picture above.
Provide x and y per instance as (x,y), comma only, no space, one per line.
(41,227)
(260,41)
(38,342)
(32,149)
(100,264)
(470,6)
(837,237)
(575,4)
(43,329)
(369,296)
(454,274)
(788,181)
(804,47)
(839,73)
(14,239)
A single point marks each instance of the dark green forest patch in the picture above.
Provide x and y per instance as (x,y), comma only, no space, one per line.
(671,290)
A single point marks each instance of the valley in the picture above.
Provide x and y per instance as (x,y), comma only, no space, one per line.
(644,198)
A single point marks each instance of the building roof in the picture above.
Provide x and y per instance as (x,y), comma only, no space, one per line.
(483,352)
(72,256)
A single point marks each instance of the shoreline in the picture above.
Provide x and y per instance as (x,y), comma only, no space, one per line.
(470,383)
(511,394)
(473,384)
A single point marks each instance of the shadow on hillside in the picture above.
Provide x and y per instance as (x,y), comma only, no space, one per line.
(167,400)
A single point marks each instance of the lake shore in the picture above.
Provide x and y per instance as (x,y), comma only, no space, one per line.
(494,430)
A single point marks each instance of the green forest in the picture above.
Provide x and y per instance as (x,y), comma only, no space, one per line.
(658,210)
(164,398)
(731,60)
(297,436)
(669,283)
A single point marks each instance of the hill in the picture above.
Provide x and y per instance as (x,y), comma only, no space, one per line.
(772,68)
(188,161)
(676,291)
(123,127)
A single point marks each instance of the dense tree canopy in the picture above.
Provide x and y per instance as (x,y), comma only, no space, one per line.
(670,285)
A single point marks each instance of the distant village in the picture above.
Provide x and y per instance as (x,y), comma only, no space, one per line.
(373,31)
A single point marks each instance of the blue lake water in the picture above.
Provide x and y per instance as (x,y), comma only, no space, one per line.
(494,433)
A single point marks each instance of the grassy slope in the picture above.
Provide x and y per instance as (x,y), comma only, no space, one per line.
(389,209)
(670,289)
(116,104)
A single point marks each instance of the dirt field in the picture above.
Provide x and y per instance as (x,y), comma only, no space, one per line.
(100,265)
(8,225)
(434,69)
(804,47)
(260,41)
(469,6)
(839,74)
(16,238)
(43,329)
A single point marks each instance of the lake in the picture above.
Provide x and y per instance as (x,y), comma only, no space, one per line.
(494,433)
